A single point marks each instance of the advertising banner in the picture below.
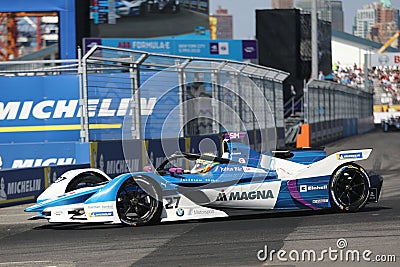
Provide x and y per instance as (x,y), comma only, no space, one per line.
(20,186)
(23,185)
(384,59)
(109,156)
(225,49)
(158,150)
(47,107)
(30,155)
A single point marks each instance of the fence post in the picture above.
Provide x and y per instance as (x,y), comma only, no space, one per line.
(136,105)
(306,103)
(83,96)
(181,94)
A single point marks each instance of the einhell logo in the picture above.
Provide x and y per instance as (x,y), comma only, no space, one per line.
(264,194)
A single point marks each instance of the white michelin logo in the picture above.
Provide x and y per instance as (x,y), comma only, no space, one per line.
(3,195)
(1,162)
(101,163)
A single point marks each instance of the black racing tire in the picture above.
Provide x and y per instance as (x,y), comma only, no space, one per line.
(137,202)
(84,181)
(349,188)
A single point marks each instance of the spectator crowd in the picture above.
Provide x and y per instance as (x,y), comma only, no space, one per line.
(386,79)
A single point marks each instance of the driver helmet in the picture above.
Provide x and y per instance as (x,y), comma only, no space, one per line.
(203,165)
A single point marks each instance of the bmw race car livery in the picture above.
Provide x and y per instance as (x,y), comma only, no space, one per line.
(193,186)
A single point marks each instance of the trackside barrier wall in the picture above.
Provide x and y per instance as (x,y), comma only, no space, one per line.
(19,186)
(333,111)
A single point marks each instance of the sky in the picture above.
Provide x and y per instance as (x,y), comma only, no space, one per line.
(244,13)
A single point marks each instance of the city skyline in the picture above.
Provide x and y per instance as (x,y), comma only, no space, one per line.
(244,13)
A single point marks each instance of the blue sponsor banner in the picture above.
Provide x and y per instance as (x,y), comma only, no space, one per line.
(223,49)
(43,154)
(47,107)
(20,186)
(117,157)
(159,149)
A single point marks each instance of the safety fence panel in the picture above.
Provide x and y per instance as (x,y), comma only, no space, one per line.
(149,96)
(333,110)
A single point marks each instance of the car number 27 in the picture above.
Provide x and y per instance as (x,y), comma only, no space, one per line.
(172,202)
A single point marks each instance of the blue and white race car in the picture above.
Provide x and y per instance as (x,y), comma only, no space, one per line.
(190,186)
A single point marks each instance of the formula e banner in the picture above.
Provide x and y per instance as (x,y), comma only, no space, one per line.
(46,108)
(225,49)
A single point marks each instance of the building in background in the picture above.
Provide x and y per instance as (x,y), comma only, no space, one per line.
(221,25)
(282,4)
(349,50)
(377,22)
(328,10)
(337,16)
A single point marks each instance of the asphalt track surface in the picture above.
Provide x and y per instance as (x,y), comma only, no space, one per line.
(220,242)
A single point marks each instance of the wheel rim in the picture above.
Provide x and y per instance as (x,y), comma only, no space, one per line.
(351,188)
(134,204)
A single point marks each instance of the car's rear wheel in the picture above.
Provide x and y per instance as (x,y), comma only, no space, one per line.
(349,188)
(136,206)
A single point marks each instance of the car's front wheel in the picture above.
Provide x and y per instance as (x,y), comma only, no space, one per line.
(136,206)
(349,188)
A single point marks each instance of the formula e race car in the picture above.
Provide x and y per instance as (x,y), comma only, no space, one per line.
(193,186)
(391,123)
